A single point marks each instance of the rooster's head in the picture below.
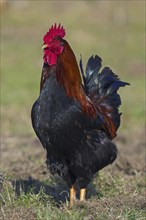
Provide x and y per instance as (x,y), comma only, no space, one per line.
(53,44)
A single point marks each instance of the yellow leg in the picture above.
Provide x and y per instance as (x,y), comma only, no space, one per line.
(82,194)
(72,195)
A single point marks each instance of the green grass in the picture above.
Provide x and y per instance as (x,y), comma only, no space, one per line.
(119,198)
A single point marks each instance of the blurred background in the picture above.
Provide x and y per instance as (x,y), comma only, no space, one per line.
(112,29)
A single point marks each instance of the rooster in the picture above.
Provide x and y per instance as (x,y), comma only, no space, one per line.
(76,115)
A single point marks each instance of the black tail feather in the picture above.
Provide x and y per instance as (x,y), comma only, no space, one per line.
(102,89)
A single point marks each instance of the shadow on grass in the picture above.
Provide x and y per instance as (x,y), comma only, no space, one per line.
(57,189)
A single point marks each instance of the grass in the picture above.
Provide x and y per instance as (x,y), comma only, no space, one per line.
(115,31)
(117,199)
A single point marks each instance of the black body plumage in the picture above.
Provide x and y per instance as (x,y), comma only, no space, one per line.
(77,145)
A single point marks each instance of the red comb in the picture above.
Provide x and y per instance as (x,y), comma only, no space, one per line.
(53,32)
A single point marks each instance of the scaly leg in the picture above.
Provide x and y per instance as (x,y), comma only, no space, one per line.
(82,194)
(72,195)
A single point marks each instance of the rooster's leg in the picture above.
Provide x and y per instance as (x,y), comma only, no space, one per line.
(72,195)
(82,194)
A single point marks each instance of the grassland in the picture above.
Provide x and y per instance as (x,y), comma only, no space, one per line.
(115,31)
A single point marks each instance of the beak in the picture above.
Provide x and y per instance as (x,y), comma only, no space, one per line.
(44,46)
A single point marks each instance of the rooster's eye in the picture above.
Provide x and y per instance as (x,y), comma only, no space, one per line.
(61,43)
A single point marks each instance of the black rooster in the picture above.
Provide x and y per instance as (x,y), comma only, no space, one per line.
(75,121)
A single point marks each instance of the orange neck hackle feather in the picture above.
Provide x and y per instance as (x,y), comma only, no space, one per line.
(69,77)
